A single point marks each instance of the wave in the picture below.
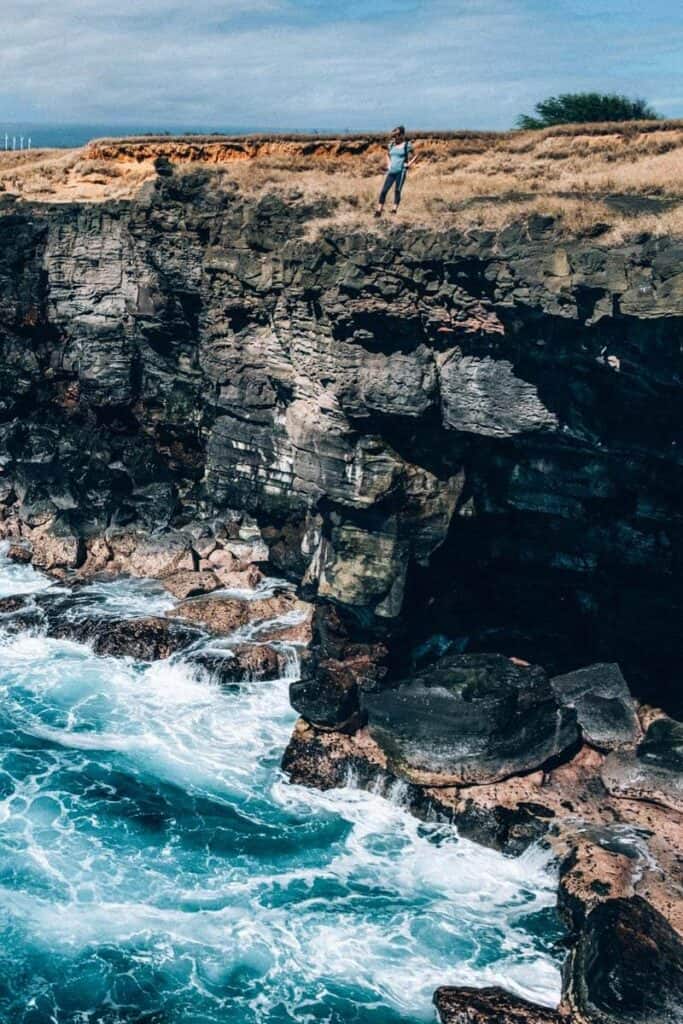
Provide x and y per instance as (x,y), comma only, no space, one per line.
(154,861)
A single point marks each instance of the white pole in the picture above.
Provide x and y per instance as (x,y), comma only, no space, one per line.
(14,142)
(29,142)
(21,142)
(6,141)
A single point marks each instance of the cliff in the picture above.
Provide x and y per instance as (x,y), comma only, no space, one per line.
(453,441)
(470,435)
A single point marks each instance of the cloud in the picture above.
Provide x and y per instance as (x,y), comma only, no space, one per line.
(316,64)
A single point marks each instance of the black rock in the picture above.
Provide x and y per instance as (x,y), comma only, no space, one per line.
(605,710)
(148,639)
(654,771)
(470,719)
(662,746)
(465,1005)
(627,967)
(243,662)
(329,698)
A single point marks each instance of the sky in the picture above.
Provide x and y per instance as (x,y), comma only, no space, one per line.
(329,65)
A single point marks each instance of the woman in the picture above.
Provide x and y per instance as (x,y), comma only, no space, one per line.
(398,162)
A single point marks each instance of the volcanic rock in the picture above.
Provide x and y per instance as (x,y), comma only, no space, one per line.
(627,967)
(147,639)
(605,709)
(244,662)
(652,772)
(225,615)
(490,1006)
(470,719)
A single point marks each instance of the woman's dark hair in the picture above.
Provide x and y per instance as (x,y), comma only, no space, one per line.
(398,130)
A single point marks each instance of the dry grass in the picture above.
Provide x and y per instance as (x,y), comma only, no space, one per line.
(462,179)
(67,175)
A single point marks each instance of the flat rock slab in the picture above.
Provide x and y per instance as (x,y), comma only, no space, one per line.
(605,710)
(470,719)
(225,615)
(490,1006)
(652,772)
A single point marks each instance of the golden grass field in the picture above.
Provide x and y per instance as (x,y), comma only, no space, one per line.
(462,179)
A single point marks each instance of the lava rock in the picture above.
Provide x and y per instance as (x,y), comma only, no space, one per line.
(663,745)
(494,1005)
(148,639)
(328,692)
(227,614)
(470,719)
(654,771)
(19,551)
(627,967)
(605,710)
(242,663)
(187,583)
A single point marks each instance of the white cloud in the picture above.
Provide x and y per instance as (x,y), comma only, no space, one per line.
(283,63)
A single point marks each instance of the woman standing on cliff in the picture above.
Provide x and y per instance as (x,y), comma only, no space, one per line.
(398,161)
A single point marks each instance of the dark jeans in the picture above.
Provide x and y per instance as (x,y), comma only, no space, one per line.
(395,178)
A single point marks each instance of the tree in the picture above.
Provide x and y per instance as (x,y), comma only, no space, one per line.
(586,107)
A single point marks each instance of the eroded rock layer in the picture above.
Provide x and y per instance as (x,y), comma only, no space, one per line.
(467,440)
(464,450)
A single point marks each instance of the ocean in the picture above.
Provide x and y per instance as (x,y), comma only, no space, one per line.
(69,136)
(156,866)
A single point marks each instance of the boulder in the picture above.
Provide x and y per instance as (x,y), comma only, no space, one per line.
(152,555)
(328,692)
(149,639)
(184,583)
(654,771)
(244,662)
(464,1005)
(55,547)
(605,710)
(243,579)
(627,967)
(19,551)
(470,719)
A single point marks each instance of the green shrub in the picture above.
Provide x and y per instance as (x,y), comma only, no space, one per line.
(586,107)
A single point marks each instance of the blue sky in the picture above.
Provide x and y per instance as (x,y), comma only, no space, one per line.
(330,64)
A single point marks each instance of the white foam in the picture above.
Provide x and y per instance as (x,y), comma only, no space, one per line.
(364,896)
(17,580)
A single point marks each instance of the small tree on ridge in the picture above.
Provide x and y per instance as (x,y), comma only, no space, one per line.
(585,108)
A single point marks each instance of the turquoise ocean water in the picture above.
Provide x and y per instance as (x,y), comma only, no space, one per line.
(156,868)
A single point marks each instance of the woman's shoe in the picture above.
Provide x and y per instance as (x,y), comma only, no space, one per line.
(378,212)
(395,209)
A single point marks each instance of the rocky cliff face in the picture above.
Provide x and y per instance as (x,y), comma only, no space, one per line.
(463,449)
(453,440)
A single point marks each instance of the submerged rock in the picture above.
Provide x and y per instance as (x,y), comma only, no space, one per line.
(470,719)
(464,1005)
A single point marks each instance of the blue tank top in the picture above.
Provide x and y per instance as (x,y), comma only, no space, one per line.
(399,154)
